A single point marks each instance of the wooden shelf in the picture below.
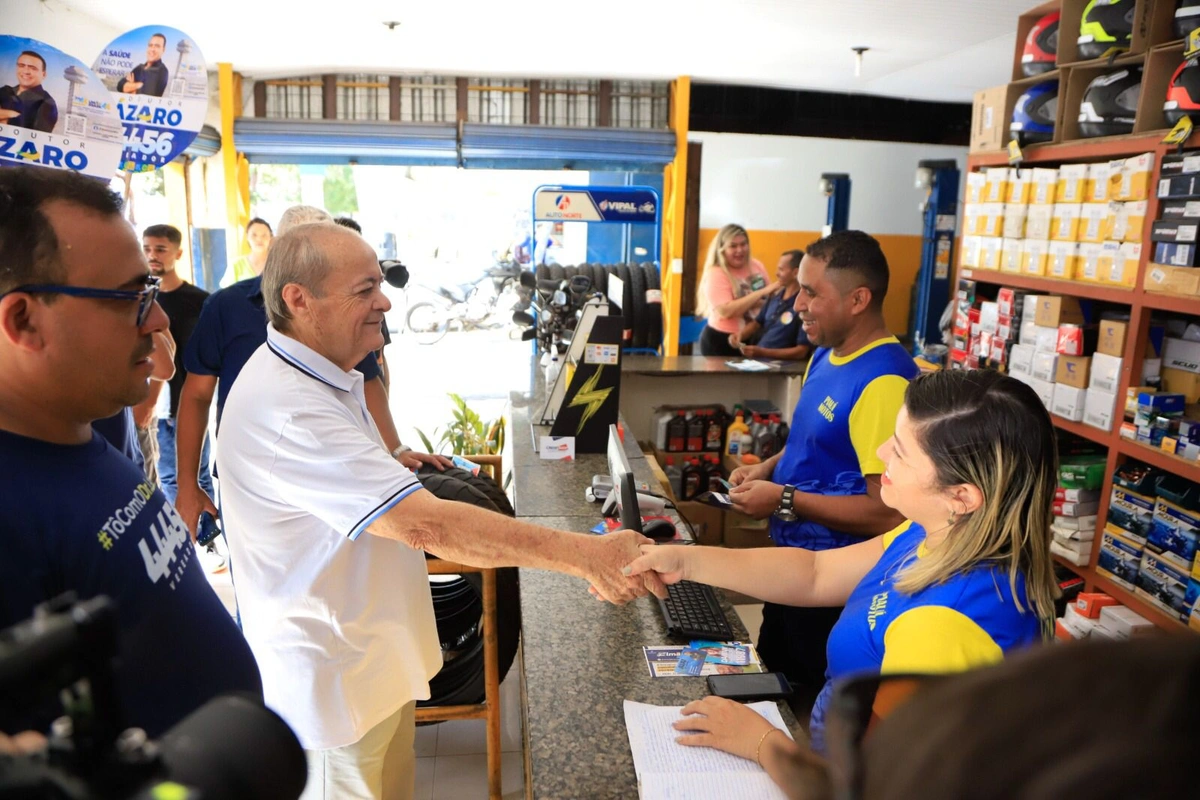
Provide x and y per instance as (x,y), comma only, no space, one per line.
(1128,598)
(1088,291)
(1161,459)
(1092,434)
(1096,149)
(1083,572)
(1171,302)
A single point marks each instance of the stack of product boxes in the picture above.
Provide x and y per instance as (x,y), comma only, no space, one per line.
(1095,614)
(984,333)
(1077,222)
(1176,256)
(1076,500)
(1149,542)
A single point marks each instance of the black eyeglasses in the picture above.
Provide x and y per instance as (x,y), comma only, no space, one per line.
(145,297)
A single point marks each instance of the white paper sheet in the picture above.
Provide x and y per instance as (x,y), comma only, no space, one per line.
(666,768)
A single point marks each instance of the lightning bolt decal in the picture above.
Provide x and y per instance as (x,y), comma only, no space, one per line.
(589,396)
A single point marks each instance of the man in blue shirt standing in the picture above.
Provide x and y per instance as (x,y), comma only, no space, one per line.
(777,332)
(77,323)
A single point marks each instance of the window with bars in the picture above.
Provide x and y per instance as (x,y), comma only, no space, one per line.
(428,98)
(498,101)
(362,97)
(570,103)
(641,104)
(294,98)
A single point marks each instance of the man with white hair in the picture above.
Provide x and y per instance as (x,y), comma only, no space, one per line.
(231,326)
(342,623)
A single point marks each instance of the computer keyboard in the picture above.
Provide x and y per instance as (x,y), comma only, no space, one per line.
(691,611)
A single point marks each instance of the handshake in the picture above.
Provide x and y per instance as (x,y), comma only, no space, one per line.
(631,566)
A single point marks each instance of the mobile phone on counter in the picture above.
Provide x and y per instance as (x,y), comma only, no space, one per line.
(750,686)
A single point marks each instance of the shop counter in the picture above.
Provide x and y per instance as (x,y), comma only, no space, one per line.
(648,382)
(582,657)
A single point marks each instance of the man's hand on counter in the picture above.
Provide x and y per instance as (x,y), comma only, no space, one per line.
(607,570)
(756,498)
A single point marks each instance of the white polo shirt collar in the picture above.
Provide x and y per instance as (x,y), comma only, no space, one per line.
(310,362)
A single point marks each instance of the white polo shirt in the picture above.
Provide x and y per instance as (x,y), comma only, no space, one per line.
(341,623)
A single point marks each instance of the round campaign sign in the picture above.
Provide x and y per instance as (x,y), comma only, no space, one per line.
(159,80)
(54,111)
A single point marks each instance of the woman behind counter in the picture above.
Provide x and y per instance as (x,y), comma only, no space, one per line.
(731,290)
(973,467)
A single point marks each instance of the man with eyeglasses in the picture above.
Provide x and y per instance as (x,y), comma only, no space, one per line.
(77,323)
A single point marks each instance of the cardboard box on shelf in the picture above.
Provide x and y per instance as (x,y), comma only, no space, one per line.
(1176,255)
(1045,340)
(1126,220)
(1098,183)
(991,219)
(744,531)
(1044,391)
(1064,224)
(1131,179)
(1183,382)
(1035,254)
(1088,265)
(1020,185)
(1110,253)
(1168,279)
(974,189)
(1098,409)
(1093,222)
(1090,604)
(989,257)
(1072,183)
(1122,622)
(1081,471)
(1038,222)
(1044,365)
(1130,513)
(1014,221)
(1105,373)
(1062,260)
(708,522)
(972,248)
(1054,310)
(1068,402)
(1010,256)
(1124,267)
(1044,189)
(1075,340)
(1174,231)
(1073,371)
(1174,533)
(1077,495)
(996,188)
(1163,583)
(1010,301)
(1068,508)
(1082,524)
(1181,354)
(1020,359)
(1119,559)
(971,216)
(1112,337)
(991,113)
(1179,209)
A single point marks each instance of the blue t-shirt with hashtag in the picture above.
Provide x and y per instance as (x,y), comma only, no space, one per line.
(83,518)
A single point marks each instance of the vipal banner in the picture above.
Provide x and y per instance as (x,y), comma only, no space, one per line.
(159,81)
(54,111)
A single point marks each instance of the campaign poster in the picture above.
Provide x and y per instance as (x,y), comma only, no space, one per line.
(55,112)
(159,81)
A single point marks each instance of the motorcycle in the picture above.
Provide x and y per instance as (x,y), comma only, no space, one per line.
(470,305)
(557,305)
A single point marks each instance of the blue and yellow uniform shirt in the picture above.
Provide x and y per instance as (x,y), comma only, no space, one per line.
(847,409)
(969,620)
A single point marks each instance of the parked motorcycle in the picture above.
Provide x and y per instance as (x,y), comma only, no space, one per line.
(556,304)
(482,302)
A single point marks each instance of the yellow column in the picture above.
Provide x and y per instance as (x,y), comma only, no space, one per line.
(674,215)
(175,184)
(230,86)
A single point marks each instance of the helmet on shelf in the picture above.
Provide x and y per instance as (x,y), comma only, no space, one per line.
(1187,17)
(1110,103)
(1041,46)
(1183,93)
(1103,25)
(1034,113)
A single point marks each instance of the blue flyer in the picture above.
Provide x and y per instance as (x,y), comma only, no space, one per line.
(54,111)
(159,80)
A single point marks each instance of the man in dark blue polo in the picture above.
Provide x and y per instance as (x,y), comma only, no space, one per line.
(777,332)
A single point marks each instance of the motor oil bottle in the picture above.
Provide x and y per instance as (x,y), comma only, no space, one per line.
(756,429)
(677,433)
(674,478)
(715,474)
(714,433)
(733,437)
(695,433)
(694,479)
(764,442)
(781,435)
(660,429)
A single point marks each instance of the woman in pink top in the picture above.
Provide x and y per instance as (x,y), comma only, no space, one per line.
(731,290)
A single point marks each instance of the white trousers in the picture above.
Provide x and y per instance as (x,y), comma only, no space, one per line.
(380,766)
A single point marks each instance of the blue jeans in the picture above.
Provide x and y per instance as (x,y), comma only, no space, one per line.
(166,461)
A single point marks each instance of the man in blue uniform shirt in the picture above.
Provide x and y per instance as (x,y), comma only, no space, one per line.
(77,321)
(822,490)
(777,332)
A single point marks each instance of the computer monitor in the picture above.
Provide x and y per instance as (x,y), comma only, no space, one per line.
(624,486)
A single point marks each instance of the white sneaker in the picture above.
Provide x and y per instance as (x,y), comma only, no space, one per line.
(211,559)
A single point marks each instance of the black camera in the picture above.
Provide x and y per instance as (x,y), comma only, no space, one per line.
(232,747)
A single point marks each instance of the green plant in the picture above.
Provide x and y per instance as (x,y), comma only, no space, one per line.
(467,434)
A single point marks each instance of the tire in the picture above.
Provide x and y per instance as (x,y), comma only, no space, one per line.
(640,323)
(626,304)
(541,272)
(556,272)
(653,309)
(480,483)
(599,279)
(427,322)
(458,607)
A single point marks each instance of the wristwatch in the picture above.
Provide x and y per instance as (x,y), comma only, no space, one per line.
(785,512)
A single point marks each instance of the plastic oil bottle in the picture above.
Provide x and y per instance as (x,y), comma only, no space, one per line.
(715,474)
(677,433)
(695,479)
(714,433)
(695,433)
(674,478)
(733,437)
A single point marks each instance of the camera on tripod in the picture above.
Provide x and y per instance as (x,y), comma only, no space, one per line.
(232,747)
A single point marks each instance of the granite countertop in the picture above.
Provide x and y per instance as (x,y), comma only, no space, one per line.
(582,657)
(693,365)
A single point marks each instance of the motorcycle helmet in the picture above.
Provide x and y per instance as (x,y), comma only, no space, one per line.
(1041,46)
(1187,17)
(1183,93)
(1110,103)
(1034,114)
(1105,24)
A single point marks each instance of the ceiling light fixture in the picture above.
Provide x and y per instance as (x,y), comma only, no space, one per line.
(858,54)
(391,24)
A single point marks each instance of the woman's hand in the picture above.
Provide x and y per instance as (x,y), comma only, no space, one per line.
(723,724)
(669,563)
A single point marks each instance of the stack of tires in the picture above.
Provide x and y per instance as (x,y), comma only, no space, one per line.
(458,599)
(642,302)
